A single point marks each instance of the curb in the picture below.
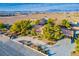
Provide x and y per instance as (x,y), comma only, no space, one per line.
(36,50)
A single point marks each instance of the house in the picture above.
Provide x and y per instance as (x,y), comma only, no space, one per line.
(73,32)
(43,21)
(39,26)
(75,28)
(67,32)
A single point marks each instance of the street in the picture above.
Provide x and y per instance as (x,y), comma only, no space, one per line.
(11,48)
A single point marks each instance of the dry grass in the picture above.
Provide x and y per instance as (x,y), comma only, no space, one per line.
(57,16)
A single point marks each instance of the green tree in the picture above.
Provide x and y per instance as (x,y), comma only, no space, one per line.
(2,26)
(66,23)
(77,44)
(35,22)
(33,32)
(52,32)
(56,28)
(57,32)
(22,27)
(50,21)
(46,34)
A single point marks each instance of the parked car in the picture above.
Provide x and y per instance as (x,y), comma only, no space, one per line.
(23,41)
(13,37)
(45,49)
(50,53)
(28,43)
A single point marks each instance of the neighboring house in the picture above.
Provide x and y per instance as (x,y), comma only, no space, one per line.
(75,28)
(43,21)
(67,32)
(38,27)
(73,32)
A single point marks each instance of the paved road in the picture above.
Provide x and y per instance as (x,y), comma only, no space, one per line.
(11,48)
(61,48)
(6,50)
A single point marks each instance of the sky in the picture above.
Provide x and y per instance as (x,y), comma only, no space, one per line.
(37,6)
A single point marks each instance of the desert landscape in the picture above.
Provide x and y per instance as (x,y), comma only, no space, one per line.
(70,16)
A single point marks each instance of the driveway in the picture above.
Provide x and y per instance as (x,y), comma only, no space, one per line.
(63,47)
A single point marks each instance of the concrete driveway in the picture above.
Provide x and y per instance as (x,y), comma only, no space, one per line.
(63,47)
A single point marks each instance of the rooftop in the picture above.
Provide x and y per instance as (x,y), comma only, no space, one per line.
(75,25)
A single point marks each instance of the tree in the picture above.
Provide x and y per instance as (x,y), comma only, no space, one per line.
(35,22)
(57,32)
(2,26)
(22,27)
(33,32)
(56,28)
(46,34)
(66,23)
(52,32)
(77,44)
(50,21)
